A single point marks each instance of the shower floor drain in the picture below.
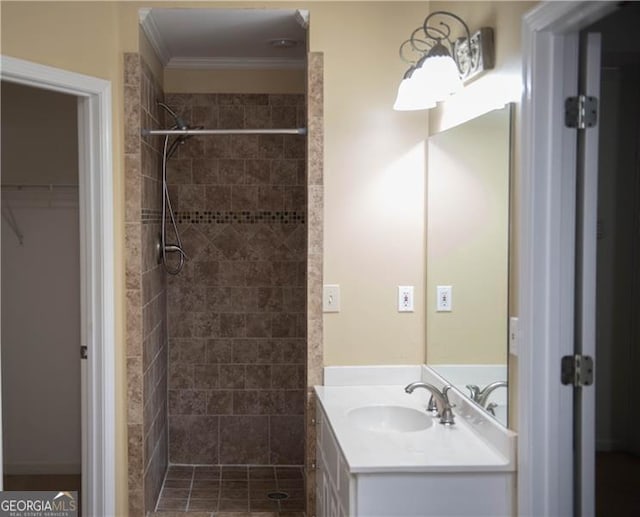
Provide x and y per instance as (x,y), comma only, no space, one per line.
(278,496)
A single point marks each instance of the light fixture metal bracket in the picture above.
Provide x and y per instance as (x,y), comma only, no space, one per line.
(476,55)
(439,64)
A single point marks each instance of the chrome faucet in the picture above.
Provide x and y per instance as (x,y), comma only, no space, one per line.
(431,406)
(440,399)
(482,395)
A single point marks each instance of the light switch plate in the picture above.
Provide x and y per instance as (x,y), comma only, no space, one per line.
(331,298)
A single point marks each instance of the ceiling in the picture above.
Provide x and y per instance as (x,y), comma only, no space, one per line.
(226,38)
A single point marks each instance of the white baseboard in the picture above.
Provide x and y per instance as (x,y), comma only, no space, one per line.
(21,469)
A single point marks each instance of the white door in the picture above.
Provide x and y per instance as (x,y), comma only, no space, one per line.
(585,299)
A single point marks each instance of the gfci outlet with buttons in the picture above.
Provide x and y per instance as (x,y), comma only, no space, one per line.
(405,298)
(444,302)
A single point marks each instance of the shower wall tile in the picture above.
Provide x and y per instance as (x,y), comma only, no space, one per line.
(151,193)
(205,171)
(132,69)
(133,188)
(313,323)
(135,446)
(134,390)
(136,503)
(244,440)
(147,348)
(194,439)
(133,267)
(134,323)
(287,439)
(132,119)
(155,345)
(153,283)
(237,350)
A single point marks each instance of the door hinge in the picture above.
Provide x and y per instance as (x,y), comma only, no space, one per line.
(577,370)
(83,352)
(581,112)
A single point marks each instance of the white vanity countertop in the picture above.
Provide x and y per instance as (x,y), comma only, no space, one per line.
(439,448)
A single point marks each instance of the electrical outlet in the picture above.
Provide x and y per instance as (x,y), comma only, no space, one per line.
(331,298)
(405,298)
(444,301)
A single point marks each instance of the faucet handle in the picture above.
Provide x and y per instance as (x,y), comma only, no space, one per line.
(491,408)
(432,407)
(474,391)
(445,394)
(447,417)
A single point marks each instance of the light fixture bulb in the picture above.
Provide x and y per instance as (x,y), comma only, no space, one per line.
(438,74)
(410,95)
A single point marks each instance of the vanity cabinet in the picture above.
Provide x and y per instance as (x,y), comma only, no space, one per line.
(333,481)
(402,492)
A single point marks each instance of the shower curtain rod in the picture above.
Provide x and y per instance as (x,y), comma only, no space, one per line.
(195,132)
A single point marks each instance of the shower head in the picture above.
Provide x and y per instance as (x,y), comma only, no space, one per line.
(180,140)
(179,123)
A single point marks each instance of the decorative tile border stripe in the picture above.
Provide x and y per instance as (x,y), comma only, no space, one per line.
(241,217)
(150,216)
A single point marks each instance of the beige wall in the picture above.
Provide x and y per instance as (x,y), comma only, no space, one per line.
(150,57)
(374,184)
(374,160)
(467,240)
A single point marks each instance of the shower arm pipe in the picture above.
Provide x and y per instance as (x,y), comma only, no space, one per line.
(196,132)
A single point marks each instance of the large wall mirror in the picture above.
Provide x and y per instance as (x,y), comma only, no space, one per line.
(468,250)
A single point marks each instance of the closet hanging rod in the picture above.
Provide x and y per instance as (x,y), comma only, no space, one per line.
(196,132)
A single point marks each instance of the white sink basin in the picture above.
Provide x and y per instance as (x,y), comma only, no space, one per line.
(397,419)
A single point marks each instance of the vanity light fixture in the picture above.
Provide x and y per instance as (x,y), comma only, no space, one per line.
(441,65)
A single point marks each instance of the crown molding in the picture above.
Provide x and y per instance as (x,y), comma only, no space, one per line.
(150,28)
(235,63)
(152,32)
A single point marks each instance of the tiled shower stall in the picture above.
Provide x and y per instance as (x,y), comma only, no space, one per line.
(218,359)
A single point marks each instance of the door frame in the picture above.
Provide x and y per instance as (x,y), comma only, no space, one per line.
(96,269)
(546,272)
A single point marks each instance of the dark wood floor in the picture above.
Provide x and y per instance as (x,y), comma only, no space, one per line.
(617,484)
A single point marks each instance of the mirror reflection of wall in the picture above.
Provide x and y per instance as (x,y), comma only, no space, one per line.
(468,249)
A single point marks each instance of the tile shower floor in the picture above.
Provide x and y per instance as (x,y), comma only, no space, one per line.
(235,490)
